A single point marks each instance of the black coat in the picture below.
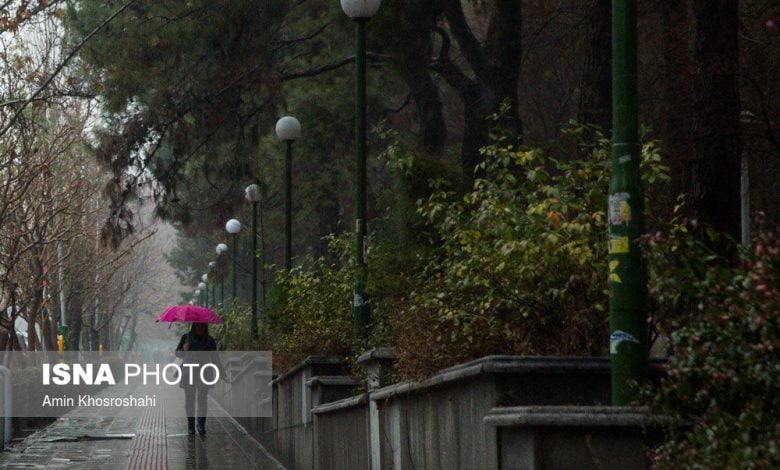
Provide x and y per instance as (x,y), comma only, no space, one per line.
(198,344)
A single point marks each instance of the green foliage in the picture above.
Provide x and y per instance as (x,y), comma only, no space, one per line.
(235,333)
(683,266)
(521,261)
(311,310)
(722,380)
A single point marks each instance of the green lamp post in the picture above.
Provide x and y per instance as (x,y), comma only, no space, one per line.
(233,228)
(212,270)
(252,193)
(288,129)
(203,295)
(206,286)
(221,250)
(360,11)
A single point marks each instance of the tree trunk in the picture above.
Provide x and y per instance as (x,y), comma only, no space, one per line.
(714,185)
(131,340)
(74,317)
(496,68)
(433,127)
(596,89)
(678,91)
(476,130)
(47,331)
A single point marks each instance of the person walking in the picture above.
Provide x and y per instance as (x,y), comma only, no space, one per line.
(195,390)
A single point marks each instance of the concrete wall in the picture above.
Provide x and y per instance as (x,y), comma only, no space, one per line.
(457,419)
(438,423)
(288,435)
(341,437)
(567,437)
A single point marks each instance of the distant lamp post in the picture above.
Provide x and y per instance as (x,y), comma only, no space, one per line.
(197,295)
(233,227)
(252,193)
(212,270)
(221,250)
(202,290)
(360,11)
(205,279)
(288,129)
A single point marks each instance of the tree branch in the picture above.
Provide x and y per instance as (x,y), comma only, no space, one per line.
(327,68)
(468,43)
(451,73)
(61,66)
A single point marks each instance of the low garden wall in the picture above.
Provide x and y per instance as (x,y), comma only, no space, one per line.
(483,414)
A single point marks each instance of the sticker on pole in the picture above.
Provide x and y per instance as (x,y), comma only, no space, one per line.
(618,245)
(618,337)
(619,209)
(613,275)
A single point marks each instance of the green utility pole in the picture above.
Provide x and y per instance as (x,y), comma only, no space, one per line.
(288,207)
(627,271)
(361,310)
(253,326)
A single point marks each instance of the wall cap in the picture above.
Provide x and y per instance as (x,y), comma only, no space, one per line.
(501,365)
(377,354)
(310,361)
(331,380)
(569,416)
(346,403)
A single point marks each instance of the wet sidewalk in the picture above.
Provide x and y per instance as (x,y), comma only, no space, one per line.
(149,442)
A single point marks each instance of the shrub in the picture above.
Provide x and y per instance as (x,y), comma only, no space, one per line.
(235,334)
(312,309)
(521,266)
(722,386)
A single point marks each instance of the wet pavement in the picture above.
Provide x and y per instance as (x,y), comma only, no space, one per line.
(151,442)
(83,439)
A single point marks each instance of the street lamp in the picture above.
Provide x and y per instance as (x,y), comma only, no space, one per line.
(361,11)
(212,269)
(252,193)
(205,279)
(197,295)
(222,249)
(233,227)
(202,290)
(288,129)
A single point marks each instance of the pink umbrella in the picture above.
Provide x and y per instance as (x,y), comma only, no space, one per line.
(191,314)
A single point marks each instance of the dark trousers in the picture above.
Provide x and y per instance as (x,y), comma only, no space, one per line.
(202,398)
